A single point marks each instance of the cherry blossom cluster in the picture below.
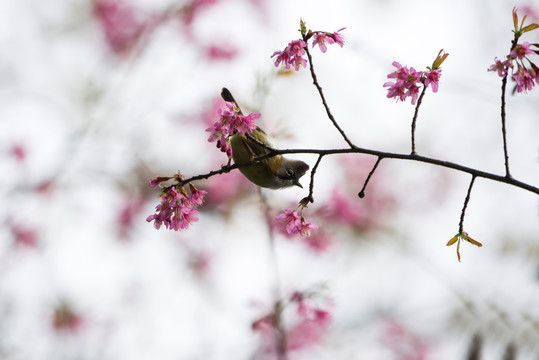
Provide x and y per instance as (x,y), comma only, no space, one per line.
(407,80)
(230,121)
(525,75)
(295,222)
(177,209)
(309,327)
(294,53)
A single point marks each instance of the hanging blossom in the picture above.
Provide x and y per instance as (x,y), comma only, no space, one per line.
(177,209)
(526,75)
(407,80)
(295,223)
(230,122)
(294,53)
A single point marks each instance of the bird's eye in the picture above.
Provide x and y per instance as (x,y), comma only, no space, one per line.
(290,173)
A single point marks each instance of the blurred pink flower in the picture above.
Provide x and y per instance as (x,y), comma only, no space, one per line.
(319,242)
(531,12)
(200,262)
(225,189)
(309,325)
(309,331)
(19,152)
(23,236)
(192,10)
(120,24)
(344,207)
(65,319)
(127,215)
(345,210)
(218,52)
(404,344)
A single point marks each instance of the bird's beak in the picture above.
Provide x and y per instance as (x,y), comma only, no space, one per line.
(296,182)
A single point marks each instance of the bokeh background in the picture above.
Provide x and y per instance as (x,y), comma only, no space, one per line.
(97,97)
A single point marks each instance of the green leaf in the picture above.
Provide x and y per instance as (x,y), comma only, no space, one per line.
(530,27)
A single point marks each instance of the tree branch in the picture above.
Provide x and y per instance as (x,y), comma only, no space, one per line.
(361,194)
(466,200)
(381,155)
(415,117)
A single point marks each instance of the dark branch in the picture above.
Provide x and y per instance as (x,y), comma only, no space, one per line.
(504,131)
(414,120)
(309,197)
(361,194)
(466,200)
(381,154)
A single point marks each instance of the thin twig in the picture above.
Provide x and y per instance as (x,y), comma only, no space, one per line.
(309,197)
(466,200)
(504,130)
(415,117)
(361,194)
(505,153)
(319,88)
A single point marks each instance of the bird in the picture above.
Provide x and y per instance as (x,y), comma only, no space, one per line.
(276,172)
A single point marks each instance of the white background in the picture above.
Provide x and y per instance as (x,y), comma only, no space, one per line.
(98,126)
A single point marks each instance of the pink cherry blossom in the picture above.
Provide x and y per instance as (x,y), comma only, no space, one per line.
(177,209)
(405,84)
(292,55)
(524,80)
(520,51)
(432,77)
(320,39)
(292,221)
(231,121)
(337,37)
(306,227)
(220,134)
(295,223)
(501,67)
